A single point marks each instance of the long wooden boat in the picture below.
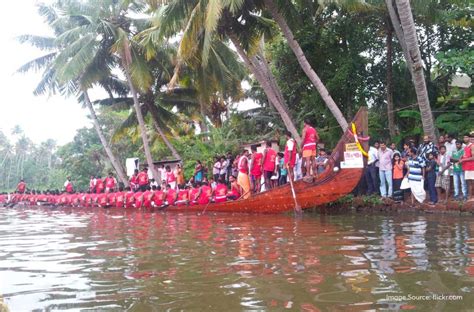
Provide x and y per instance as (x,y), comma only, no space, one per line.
(328,187)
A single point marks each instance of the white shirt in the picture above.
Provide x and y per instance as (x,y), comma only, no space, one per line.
(450,147)
(373,155)
(290,144)
(224,166)
(217,168)
(66,183)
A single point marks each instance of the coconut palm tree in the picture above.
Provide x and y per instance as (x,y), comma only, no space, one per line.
(72,64)
(409,42)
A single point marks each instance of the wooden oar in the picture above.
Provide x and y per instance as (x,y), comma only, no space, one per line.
(297,206)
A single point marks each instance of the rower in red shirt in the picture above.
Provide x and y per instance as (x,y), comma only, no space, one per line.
(138,200)
(205,194)
(183,196)
(143,179)
(158,199)
(148,197)
(256,169)
(170,195)
(120,198)
(21,187)
(129,198)
(310,140)
(102,200)
(99,185)
(194,193)
(234,189)
(220,194)
(110,183)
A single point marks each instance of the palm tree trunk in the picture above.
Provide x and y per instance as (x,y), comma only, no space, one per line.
(259,68)
(390,112)
(418,77)
(313,77)
(141,123)
(113,160)
(399,32)
(154,115)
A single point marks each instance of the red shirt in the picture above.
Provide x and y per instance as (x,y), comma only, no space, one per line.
(129,199)
(234,191)
(21,187)
(182,196)
(192,195)
(138,199)
(147,199)
(170,177)
(468,165)
(134,181)
(99,187)
(170,196)
(69,187)
(220,193)
(102,200)
(269,161)
(119,199)
(256,165)
(243,164)
(206,193)
(142,178)
(110,182)
(310,138)
(158,200)
(290,156)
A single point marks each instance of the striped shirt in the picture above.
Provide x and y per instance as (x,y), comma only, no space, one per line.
(415,168)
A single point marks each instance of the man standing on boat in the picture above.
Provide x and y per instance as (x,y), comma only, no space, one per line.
(310,140)
(110,183)
(68,187)
(21,187)
(243,176)
(269,159)
(143,180)
(256,171)
(290,154)
(467,162)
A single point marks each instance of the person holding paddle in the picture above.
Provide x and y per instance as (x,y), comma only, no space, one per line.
(289,162)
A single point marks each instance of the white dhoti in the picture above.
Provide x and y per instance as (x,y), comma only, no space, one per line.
(418,190)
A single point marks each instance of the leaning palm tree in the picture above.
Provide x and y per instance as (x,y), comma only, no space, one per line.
(61,73)
(304,63)
(201,20)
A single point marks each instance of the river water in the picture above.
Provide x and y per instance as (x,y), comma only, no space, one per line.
(116,260)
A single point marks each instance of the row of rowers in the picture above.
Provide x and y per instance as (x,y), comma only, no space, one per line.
(153,196)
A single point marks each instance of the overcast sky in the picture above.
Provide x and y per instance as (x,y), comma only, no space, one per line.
(40,117)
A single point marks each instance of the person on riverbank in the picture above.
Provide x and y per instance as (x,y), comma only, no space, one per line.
(198,171)
(398,165)
(415,175)
(458,174)
(372,171)
(180,180)
(216,168)
(427,147)
(243,177)
(21,187)
(385,156)
(310,140)
(430,175)
(443,178)
(467,162)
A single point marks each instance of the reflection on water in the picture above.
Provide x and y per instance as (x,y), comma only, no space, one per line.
(74,259)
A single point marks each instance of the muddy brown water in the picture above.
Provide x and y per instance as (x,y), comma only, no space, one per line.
(114,260)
